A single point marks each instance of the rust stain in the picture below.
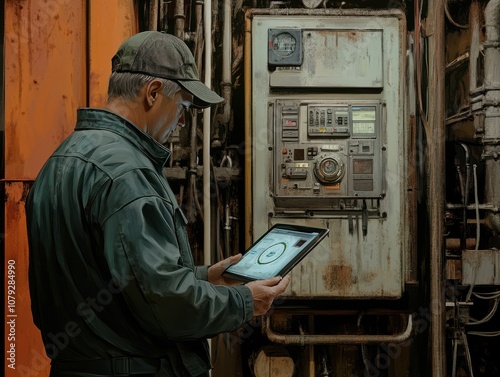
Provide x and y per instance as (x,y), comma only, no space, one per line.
(337,277)
(353,36)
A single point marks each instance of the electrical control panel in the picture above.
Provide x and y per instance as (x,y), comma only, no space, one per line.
(327,150)
(329,136)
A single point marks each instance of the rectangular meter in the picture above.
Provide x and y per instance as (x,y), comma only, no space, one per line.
(364,120)
(328,120)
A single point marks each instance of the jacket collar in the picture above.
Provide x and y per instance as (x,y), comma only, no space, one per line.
(101,119)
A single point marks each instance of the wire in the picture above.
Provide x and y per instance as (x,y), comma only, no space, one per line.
(478,233)
(454,365)
(467,353)
(484,333)
(418,65)
(476,200)
(487,295)
(487,317)
(448,16)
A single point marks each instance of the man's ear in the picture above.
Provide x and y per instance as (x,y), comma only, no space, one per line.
(153,90)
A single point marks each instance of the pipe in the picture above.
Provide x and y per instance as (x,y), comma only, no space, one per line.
(248,129)
(227,213)
(153,14)
(491,102)
(193,142)
(207,25)
(224,117)
(163,21)
(435,194)
(179,19)
(474,46)
(304,339)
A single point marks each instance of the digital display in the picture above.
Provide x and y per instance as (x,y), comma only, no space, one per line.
(363,128)
(364,114)
(272,253)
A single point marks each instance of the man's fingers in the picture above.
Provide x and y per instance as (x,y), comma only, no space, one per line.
(229,261)
(283,284)
(235,258)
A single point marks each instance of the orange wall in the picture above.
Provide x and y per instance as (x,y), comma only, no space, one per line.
(48,75)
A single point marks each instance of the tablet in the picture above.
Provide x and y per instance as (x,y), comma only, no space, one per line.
(276,252)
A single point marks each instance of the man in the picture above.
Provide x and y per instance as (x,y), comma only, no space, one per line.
(112,282)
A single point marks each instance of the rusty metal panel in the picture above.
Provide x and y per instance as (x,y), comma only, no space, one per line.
(107,29)
(481,267)
(336,58)
(25,355)
(44,79)
(365,254)
(45,82)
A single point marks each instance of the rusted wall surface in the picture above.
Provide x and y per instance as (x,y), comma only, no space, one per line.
(111,22)
(25,355)
(44,84)
(44,79)
(48,75)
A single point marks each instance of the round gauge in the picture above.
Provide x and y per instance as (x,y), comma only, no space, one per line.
(284,44)
(329,168)
(272,253)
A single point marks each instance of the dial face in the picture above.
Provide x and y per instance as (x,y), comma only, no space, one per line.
(284,44)
(272,253)
(329,167)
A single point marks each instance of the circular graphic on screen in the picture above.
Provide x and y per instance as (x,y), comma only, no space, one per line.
(272,253)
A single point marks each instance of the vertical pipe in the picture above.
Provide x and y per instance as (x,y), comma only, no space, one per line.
(179,19)
(436,158)
(207,22)
(226,43)
(248,128)
(153,14)
(491,138)
(474,45)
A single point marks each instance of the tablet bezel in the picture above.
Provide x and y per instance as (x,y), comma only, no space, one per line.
(322,232)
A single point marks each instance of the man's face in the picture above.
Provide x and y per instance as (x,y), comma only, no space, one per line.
(169,113)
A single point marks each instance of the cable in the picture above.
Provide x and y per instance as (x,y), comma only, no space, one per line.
(487,295)
(448,16)
(487,317)
(478,233)
(467,353)
(476,200)
(484,333)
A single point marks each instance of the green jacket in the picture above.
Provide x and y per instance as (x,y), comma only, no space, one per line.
(111,271)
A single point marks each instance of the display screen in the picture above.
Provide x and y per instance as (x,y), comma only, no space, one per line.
(363,128)
(275,253)
(365,113)
(363,120)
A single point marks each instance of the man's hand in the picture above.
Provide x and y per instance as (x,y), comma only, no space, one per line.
(215,271)
(265,291)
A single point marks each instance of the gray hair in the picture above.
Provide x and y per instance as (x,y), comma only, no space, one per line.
(128,84)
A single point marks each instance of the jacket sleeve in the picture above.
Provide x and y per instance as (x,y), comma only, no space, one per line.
(201,272)
(158,280)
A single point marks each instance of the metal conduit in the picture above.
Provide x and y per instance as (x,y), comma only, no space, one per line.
(304,339)
(491,102)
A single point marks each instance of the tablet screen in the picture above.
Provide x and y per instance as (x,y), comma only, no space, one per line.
(276,252)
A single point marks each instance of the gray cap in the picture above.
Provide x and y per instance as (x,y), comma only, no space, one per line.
(163,55)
